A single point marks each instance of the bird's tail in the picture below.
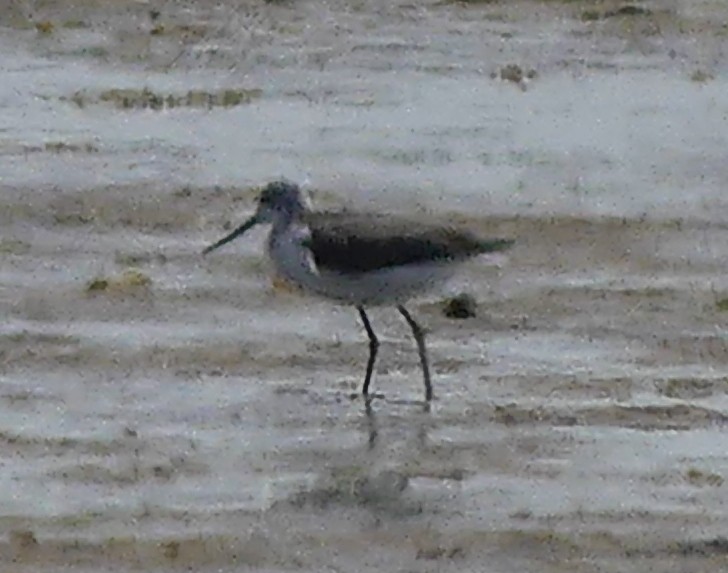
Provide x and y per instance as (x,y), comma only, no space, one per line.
(495,245)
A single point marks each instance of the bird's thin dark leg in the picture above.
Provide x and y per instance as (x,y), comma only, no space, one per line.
(373,347)
(419,335)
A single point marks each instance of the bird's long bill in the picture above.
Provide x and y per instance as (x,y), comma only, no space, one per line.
(236,233)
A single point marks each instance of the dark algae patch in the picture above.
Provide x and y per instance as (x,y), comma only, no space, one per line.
(130,281)
(132,98)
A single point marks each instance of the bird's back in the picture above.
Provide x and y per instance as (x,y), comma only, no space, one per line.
(357,243)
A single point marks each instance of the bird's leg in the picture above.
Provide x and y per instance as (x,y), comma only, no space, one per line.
(373,347)
(419,335)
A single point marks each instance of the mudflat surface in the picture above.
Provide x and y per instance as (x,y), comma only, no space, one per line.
(160,411)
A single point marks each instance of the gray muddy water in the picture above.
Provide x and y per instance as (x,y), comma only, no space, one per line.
(160,411)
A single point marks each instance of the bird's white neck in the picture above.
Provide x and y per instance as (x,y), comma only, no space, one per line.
(290,254)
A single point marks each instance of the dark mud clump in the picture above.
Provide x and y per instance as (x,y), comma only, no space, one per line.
(628,10)
(460,307)
(515,74)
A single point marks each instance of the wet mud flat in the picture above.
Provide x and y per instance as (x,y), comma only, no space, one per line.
(161,412)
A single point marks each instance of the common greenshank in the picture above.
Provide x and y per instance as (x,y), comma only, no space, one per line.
(360,260)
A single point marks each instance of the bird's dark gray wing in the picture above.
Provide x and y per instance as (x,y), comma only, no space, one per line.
(353,244)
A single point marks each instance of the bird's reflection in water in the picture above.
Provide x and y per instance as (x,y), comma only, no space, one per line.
(422,421)
(372,428)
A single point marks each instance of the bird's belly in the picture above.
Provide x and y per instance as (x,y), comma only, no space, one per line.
(387,286)
(391,285)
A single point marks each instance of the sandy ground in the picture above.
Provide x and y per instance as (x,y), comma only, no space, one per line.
(161,412)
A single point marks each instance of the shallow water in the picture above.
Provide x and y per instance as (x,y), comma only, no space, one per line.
(209,420)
